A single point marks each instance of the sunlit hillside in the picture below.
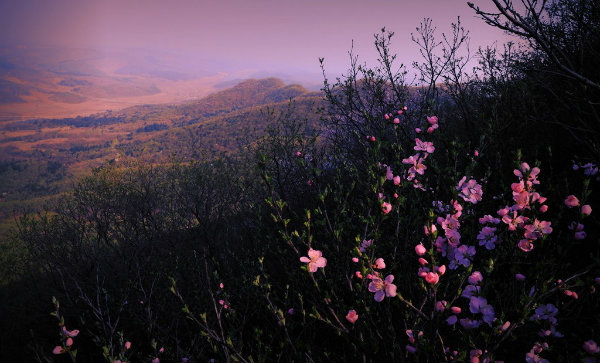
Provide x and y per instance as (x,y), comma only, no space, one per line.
(40,157)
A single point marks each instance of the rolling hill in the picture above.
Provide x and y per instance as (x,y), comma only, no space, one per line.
(40,158)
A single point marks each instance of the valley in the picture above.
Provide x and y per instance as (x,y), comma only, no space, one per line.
(40,158)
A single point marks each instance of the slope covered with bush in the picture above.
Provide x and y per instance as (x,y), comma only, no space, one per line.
(446,224)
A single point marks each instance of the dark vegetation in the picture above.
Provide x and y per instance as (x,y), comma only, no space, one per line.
(137,250)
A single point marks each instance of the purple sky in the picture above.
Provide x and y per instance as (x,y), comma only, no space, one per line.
(276,34)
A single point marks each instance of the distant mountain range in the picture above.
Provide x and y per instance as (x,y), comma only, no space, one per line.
(62,138)
(55,83)
(40,158)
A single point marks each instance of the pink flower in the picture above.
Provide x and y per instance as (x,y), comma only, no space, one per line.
(520,277)
(373,138)
(221,285)
(298,153)
(387,117)
(440,270)
(432,119)
(58,350)
(382,288)
(417,130)
(572,294)
(355,259)
(155,360)
(591,347)
(537,229)
(475,354)
(379,264)
(543,209)
(475,278)
(423,261)
(127,345)
(586,210)
(396,180)
(505,326)
(432,278)
(396,120)
(504,211)
(571,201)
(420,249)
(440,305)
(424,146)
(73,333)
(455,310)
(69,342)
(525,245)
(352,316)
(476,153)
(386,207)
(358,274)
(469,191)
(513,221)
(314,260)
(162,349)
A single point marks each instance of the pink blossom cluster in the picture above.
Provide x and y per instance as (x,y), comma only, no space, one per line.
(433,121)
(450,247)
(525,197)
(416,161)
(591,347)
(425,146)
(469,191)
(533,355)
(571,202)
(429,272)
(396,120)
(416,165)
(68,336)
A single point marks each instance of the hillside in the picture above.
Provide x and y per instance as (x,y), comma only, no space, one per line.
(40,157)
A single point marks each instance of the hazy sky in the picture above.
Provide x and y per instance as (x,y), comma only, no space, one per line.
(276,33)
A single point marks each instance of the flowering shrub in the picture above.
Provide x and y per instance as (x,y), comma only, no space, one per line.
(457,298)
(394,236)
